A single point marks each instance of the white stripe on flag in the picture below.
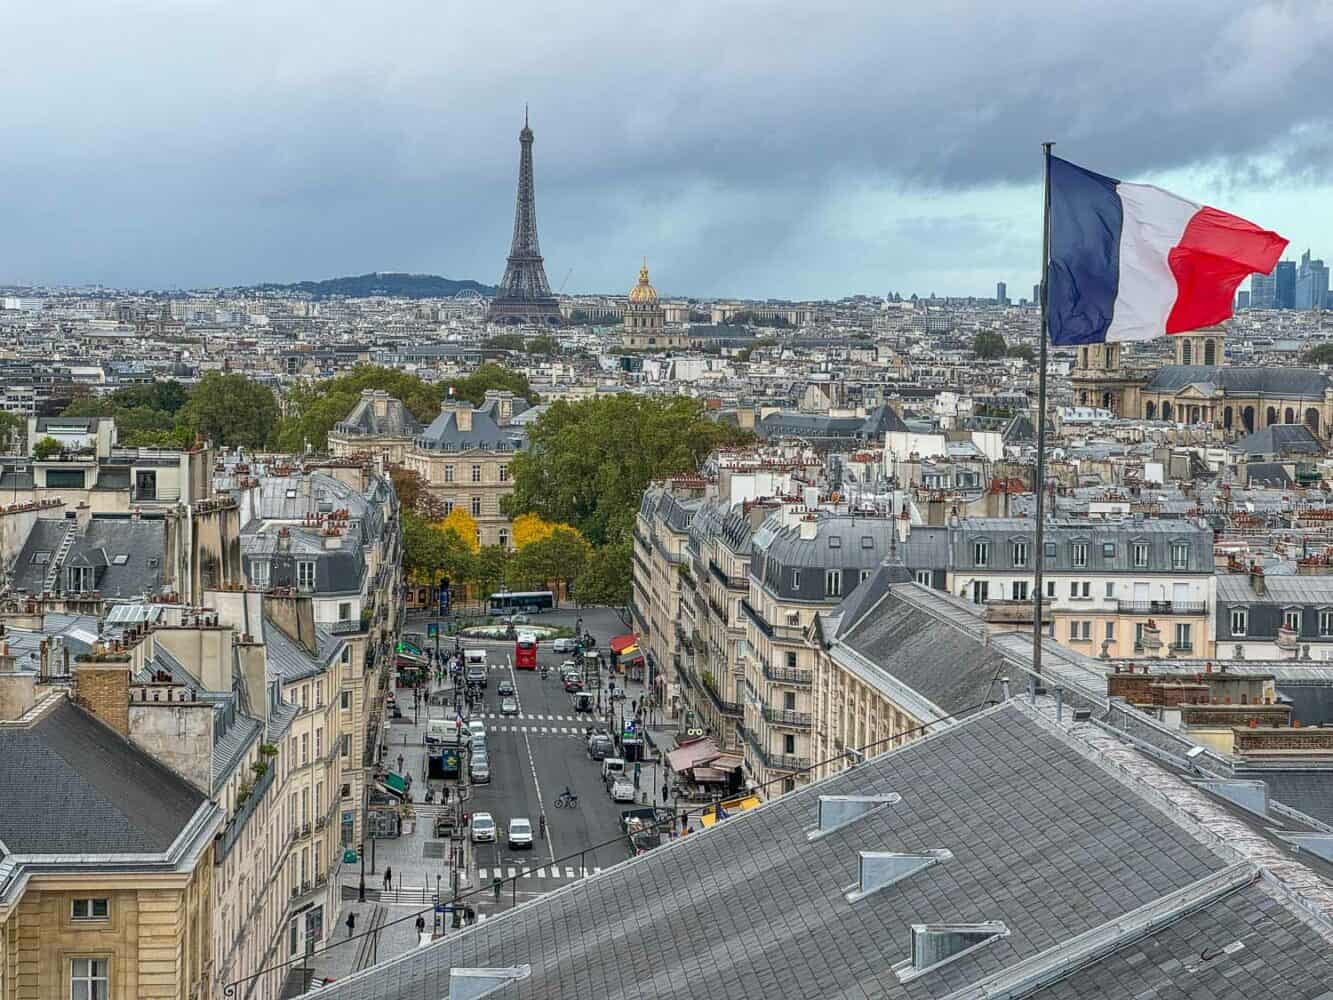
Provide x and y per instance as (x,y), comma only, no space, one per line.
(1154,222)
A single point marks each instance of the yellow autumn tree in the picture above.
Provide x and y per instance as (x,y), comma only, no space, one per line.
(529,528)
(464,525)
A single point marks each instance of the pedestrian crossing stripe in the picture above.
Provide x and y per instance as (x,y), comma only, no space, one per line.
(539,718)
(485,875)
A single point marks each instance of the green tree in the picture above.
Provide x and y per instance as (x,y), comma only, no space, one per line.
(544,344)
(587,463)
(232,411)
(988,346)
(145,415)
(45,448)
(13,431)
(606,576)
(491,376)
(1022,351)
(560,556)
(423,549)
(313,410)
(488,569)
(504,342)
(1321,354)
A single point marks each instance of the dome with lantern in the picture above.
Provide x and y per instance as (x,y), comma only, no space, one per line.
(643,292)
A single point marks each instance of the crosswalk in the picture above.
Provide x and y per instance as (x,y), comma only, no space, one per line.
(566,731)
(485,875)
(537,718)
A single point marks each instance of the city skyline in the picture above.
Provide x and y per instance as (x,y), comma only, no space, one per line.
(389,146)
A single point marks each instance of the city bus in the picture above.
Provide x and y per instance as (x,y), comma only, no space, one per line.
(508,602)
(525,651)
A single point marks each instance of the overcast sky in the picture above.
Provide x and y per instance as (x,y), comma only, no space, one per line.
(751,149)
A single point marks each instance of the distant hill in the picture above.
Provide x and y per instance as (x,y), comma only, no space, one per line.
(406,286)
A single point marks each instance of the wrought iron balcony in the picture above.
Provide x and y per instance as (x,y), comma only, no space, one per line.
(1161,607)
(785,675)
(722,705)
(784,717)
(783,633)
(733,582)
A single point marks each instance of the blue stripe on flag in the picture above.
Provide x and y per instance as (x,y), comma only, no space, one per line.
(1086,220)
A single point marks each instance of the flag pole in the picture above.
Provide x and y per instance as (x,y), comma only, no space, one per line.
(1038,554)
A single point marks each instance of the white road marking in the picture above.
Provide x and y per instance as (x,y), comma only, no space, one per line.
(536,784)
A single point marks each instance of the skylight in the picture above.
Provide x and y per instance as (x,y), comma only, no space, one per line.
(120,560)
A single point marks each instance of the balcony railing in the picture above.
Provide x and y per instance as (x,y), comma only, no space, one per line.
(785,717)
(1161,607)
(784,675)
(774,761)
(723,706)
(787,633)
(1181,647)
(734,582)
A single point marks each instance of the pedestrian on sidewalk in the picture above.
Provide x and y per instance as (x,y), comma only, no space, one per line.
(388,878)
(421,924)
(665,791)
(400,763)
(351,924)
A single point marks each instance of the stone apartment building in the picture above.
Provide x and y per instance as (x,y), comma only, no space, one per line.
(661,533)
(1267,616)
(108,878)
(463,455)
(1114,588)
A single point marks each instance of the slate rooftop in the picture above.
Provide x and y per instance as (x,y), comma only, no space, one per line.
(1095,885)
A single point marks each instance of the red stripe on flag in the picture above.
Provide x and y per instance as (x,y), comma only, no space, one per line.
(1215,254)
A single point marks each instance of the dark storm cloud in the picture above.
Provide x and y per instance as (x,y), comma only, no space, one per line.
(196,143)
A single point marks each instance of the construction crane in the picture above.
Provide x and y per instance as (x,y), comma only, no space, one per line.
(561,289)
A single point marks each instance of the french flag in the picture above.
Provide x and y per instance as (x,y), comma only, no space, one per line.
(1133,262)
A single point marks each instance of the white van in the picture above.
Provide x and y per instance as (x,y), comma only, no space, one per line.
(474,656)
(444,732)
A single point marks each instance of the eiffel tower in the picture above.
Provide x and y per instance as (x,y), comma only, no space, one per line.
(524,296)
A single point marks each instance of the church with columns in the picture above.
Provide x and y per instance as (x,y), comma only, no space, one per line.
(1201,388)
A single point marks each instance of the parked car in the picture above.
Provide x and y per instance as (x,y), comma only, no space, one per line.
(600,746)
(565,646)
(509,706)
(520,834)
(477,728)
(483,827)
(479,770)
(504,688)
(622,790)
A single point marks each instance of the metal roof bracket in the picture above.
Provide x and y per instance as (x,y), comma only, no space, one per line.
(881,869)
(838,811)
(934,945)
(1252,796)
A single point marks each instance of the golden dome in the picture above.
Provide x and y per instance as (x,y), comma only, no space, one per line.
(643,291)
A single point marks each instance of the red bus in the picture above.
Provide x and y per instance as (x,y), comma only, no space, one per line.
(525,652)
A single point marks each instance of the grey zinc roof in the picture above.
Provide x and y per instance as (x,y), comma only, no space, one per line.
(125,554)
(1235,588)
(486,435)
(1308,789)
(1300,383)
(910,638)
(396,420)
(291,661)
(1042,838)
(1280,439)
(71,785)
(1267,474)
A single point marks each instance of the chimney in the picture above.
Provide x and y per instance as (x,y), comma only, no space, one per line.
(294,614)
(808,527)
(102,687)
(17,690)
(1257,583)
(462,415)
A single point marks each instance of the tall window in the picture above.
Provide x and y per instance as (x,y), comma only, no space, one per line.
(305,575)
(1184,636)
(981,553)
(1020,590)
(980,591)
(259,572)
(504,473)
(1079,553)
(504,538)
(1180,555)
(89,979)
(1140,550)
(923,577)
(476,473)
(448,473)
(1240,621)
(1326,622)
(476,506)
(1020,554)
(833,583)
(1110,631)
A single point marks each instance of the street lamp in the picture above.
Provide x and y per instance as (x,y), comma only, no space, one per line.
(361,889)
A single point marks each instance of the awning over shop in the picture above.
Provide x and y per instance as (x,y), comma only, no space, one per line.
(709,775)
(727,762)
(692,755)
(624,644)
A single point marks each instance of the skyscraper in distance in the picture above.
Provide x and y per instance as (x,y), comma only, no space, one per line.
(524,295)
(1263,290)
(1311,283)
(1242,299)
(1285,275)
(1001,293)
(1036,294)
